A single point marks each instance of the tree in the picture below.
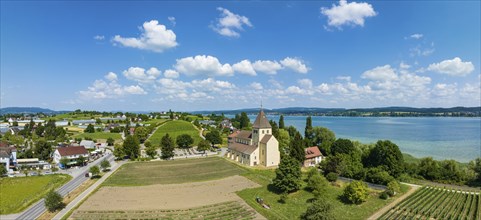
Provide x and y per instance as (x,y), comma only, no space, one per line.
(131,147)
(95,170)
(388,155)
(332,177)
(203,146)
(105,164)
(151,151)
(3,170)
(53,201)
(64,161)
(297,149)
(393,187)
(275,129)
(171,115)
(429,168)
(43,149)
(342,146)
(308,131)
(90,129)
(118,151)
(356,192)
(141,133)
(281,122)
(184,141)
(475,166)
(318,185)
(80,160)
(288,175)
(284,140)
(378,176)
(110,141)
(323,138)
(167,147)
(214,137)
(244,120)
(318,210)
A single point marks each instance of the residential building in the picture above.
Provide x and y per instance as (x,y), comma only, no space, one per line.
(8,156)
(256,147)
(88,144)
(72,153)
(313,156)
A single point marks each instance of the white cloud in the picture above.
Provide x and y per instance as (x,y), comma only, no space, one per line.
(155,37)
(444,90)
(403,65)
(229,24)
(106,90)
(295,64)
(344,78)
(256,86)
(416,36)
(140,75)
(203,65)
(348,13)
(380,73)
(244,67)
(111,76)
(267,66)
(134,90)
(172,20)
(454,67)
(171,74)
(306,83)
(99,37)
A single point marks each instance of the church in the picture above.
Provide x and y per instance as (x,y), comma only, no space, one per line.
(256,147)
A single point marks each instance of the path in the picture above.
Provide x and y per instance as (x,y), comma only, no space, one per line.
(87,192)
(395,202)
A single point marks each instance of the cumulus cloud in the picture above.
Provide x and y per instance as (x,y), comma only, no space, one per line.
(111,76)
(416,36)
(155,37)
(99,37)
(306,83)
(172,20)
(454,67)
(295,64)
(381,73)
(140,75)
(244,67)
(229,24)
(352,13)
(194,90)
(256,86)
(171,74)
(106,90)
(203,65)
(267,66)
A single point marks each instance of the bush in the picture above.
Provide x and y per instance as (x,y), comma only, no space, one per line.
(331,177)
(320,209)
(378,176)
(356,192)
(393,187)
(384,195)
(283,198)
(54,201)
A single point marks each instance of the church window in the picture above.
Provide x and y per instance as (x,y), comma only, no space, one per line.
(268,131)
(262,131)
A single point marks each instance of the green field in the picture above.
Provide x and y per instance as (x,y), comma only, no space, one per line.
(226,210)
(437,203)
(20,192)
(99,135)
(297,202)
(173,171)
(174,129)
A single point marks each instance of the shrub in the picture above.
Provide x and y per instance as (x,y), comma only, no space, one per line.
(356,192)
(283,198)
(394,187)
(384,195)
(331,177)
(378,176)
(53,201)
(320,209)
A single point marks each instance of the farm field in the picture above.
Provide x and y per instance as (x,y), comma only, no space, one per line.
(437,203)
(20,192)
(173,171)
(99,135)
(297,202)
(174,129)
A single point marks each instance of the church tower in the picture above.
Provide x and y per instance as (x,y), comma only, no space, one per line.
(260,128)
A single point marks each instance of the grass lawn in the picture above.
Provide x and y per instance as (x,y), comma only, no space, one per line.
(298,202)
(20,192)
(99,135)
(173,171)
(155,121)
(174,129)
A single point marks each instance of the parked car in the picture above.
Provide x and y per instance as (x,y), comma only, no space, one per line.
(33,174)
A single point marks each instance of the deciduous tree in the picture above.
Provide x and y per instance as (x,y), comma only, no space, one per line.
(105,164)
(131,147)
(203,146)
(323,138)
(356,192)
(95,170)
(53,201)
(214,137)
(388,155)
(90,129)
(167,147)
(184,141)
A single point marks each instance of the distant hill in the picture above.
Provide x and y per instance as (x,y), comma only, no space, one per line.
(28,110)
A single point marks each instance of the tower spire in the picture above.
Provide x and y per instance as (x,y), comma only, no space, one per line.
(261,104)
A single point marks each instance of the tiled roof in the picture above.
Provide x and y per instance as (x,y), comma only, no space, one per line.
(261,121)
(266,138)
(312,152)
(245,134)
(243,148)
(73,150)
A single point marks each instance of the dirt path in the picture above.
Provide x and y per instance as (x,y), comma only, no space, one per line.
(395,202)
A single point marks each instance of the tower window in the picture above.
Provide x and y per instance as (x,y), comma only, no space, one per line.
(262,131)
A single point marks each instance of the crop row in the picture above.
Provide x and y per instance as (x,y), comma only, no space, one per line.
(437,203)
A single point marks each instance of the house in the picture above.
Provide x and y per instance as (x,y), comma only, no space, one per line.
(72,153)
(256,147)
(206,122)
(8,156)
(88,144)
(226,123)
(313,157)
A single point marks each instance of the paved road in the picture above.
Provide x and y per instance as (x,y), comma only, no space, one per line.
(38,208)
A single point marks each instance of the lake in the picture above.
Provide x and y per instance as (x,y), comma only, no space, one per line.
(437,137)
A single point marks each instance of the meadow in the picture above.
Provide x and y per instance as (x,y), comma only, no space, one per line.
(20,192)
(174,129)
(173,171)
(99,136)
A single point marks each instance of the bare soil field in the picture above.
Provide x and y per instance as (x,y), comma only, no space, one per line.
(166,196)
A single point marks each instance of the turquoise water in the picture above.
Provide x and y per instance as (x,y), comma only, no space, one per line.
(437,137)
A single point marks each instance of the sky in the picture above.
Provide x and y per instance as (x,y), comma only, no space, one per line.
(219,55)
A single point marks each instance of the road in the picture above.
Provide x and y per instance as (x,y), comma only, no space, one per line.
(38,208)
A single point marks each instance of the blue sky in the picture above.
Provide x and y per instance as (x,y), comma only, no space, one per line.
(228,55)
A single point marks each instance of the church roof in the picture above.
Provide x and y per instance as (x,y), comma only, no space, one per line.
(245,134)
(266,138)
(243,148)
(261,121)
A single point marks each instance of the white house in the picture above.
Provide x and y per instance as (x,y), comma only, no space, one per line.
(72,153)
(8,156)
(256,147)
(88,144)
(313,156)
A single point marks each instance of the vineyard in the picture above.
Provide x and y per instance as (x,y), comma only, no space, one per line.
(437,203)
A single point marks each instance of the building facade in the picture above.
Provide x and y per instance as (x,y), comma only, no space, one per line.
(313,156)
(256,147)
(72,153)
